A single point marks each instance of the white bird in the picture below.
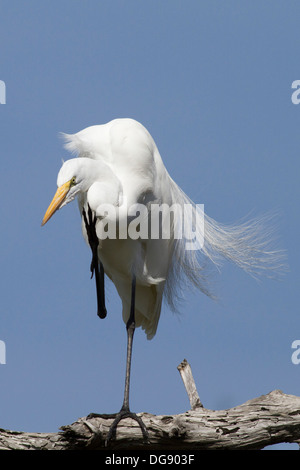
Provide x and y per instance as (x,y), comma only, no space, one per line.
(117,169)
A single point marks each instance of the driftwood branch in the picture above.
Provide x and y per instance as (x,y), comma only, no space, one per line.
(270,419)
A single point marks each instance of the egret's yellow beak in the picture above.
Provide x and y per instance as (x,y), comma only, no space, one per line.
(57,201)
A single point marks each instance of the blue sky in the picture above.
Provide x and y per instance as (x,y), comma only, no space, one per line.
(212,83)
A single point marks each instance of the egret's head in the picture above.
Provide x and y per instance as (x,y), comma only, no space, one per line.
(71,180)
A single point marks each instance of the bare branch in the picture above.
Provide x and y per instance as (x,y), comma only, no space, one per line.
(269,419)
(189,383)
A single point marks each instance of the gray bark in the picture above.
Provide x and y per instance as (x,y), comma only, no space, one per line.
(269,419)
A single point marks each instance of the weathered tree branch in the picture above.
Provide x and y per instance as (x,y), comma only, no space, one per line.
(190,386)
(270,419)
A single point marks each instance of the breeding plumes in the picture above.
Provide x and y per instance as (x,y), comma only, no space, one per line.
(145,233)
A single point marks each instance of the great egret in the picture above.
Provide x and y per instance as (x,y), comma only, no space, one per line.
(118,166)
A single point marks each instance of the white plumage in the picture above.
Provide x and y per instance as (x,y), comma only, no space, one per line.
(119,163)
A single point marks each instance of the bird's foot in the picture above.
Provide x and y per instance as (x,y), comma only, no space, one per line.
(96,266)
(123,413)
(90,225)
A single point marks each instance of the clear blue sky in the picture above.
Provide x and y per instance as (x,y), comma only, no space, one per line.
(212,82)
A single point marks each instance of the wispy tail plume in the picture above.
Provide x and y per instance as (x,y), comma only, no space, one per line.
(248,244)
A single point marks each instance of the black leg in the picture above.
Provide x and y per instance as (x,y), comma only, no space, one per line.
(125,410)
(96,265)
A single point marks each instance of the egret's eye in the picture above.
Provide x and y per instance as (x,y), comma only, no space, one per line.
(73,181)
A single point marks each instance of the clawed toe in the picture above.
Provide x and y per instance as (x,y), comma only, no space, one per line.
(96,266)
(122,415)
